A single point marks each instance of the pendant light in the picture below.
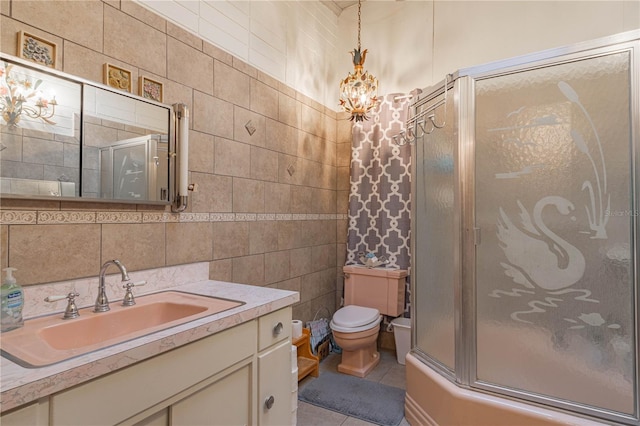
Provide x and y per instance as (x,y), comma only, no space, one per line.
(359,91)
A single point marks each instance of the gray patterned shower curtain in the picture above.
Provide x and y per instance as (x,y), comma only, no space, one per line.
(380,195)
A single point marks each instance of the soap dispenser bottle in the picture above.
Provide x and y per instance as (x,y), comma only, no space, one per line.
(11,301)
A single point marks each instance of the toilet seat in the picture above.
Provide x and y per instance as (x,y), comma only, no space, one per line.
(353,318)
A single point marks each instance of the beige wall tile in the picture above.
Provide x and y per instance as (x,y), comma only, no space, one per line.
(248,270)
(248,196)
(342,226)
(330,128)
(141,45)
(344,130)
(263,237)
(267,79)
(136,245)
(5,7)
(241,65)
(301,199)
(276,266)
(9,204)
(343,154)
(62,18)
(62,251)
(184,36)
(290,162)
(4,246)
(301,262)
(323,201)
(200,152)
(341,257)
(342,202)
(232,158)
(264,99)
(220,270)
(323,257)
(264,164)
(231,85)
(312,121)
(176,93)
(289,234)
(143,14)
(277,198)
(189,66)
(212,115)
(281,137)
(188,242)
(217,53)
(241,119)
(9,29)
(288,110)
(342,178)
(214,193)
(230,239)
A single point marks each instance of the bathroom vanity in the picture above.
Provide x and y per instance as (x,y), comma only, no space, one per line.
(229,368)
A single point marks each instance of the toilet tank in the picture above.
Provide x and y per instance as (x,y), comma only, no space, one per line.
(379,288)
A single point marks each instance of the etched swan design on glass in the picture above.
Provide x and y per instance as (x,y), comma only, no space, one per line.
(533,260)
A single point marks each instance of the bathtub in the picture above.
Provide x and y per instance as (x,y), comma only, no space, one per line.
(431,399)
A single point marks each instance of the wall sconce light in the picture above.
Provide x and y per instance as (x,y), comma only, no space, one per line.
(181,180)
(359,91)
(18,97)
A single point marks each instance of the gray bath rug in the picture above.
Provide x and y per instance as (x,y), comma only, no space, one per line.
(369,401)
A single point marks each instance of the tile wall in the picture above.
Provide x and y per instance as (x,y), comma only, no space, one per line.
(270,208)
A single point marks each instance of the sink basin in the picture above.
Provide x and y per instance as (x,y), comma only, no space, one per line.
(50,339)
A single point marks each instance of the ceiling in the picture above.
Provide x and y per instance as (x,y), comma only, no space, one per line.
(337,6)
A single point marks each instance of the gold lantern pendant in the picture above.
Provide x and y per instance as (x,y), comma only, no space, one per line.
(359,91)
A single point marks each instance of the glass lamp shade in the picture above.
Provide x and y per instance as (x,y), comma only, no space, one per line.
(359,91)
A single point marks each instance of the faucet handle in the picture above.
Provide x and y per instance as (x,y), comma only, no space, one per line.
(72,310)
(129,300)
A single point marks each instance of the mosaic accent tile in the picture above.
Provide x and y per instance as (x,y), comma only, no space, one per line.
(283,216)
(118,217)
(10,217)
(299,217)
(54,217)
(266,216)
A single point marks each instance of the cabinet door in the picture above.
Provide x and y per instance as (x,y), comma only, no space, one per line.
(226,402)
(34,414)
(274,381)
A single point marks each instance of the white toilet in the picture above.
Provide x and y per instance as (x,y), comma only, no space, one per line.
(369,293)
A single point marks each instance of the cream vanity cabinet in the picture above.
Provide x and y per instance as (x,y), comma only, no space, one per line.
(224,379)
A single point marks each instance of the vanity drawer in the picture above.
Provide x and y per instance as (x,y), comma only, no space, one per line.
(274,327)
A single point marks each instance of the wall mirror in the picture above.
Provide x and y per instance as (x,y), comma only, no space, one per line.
(62,137)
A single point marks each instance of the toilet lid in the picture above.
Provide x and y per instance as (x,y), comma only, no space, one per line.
(355,316)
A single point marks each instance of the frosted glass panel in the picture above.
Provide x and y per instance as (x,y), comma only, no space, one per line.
(554,288)
(434,249)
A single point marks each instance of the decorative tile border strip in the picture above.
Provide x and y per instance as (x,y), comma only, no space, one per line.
(119,217)
(64,217)
(16,217)
(57,217)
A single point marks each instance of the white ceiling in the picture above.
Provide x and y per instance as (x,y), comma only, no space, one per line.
(337,6)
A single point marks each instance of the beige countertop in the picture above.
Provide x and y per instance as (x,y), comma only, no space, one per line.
(20,385)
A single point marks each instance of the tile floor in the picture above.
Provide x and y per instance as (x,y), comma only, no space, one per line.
(387,372)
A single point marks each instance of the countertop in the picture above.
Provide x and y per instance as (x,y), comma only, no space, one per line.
(20,385)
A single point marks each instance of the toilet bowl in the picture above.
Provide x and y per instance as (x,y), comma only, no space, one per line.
(369,293)
(355,330)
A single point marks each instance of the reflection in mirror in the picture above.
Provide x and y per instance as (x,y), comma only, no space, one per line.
(65,137)
(39,133)
(125,147)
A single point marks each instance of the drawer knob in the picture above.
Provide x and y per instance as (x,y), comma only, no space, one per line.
(277,329)
(269,402)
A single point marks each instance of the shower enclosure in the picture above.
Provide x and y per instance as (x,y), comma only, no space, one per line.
(524,238)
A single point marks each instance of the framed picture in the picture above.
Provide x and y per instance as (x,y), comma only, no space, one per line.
(117,77)
(150,89)
(36,49)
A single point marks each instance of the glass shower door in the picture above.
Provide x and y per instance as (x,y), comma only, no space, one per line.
(555,284)
(432,235)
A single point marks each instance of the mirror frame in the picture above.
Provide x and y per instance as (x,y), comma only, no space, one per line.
(172,154)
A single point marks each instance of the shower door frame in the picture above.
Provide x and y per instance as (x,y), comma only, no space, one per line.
(467,235)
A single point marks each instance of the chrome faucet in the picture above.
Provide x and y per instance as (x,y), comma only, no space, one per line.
(102,303)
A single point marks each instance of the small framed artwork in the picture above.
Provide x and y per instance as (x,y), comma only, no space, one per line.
(36,49)
(117,77)
(150,89)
